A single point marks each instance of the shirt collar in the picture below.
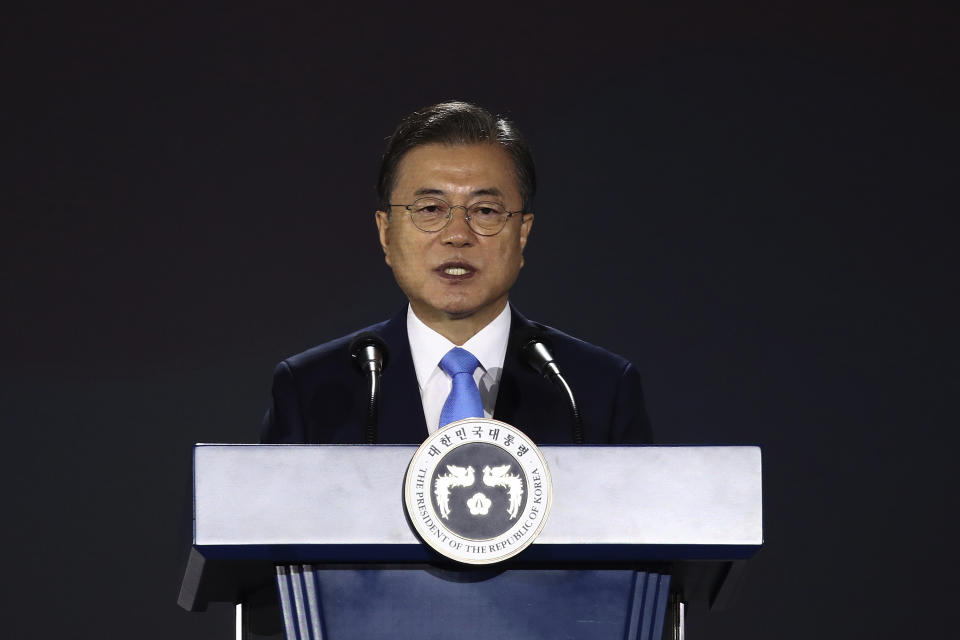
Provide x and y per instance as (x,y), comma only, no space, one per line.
(428,347)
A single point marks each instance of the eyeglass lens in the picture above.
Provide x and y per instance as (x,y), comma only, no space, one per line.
(431,214)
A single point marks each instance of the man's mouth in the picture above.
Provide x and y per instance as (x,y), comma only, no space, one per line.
(455,270)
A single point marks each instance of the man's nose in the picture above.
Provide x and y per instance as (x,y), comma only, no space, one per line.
(458,231)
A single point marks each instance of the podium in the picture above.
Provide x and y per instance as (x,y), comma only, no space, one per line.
(633,531)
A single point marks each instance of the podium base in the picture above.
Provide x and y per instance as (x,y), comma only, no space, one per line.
(476,604)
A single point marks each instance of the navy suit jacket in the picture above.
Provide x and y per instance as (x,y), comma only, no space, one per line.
(320,396)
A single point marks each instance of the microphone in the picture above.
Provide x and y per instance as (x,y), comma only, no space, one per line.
(537,354)
(369,352)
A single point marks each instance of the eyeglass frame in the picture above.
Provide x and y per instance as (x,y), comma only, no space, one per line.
(466,214)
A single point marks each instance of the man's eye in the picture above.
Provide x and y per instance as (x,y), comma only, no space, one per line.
(430,209)
(485,211)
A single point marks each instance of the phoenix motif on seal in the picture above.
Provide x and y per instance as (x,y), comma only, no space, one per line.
(498,477)
(458,477)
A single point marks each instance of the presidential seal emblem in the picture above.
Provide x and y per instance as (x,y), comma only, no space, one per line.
(478,491)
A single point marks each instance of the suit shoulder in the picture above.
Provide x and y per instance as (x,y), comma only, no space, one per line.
(334,350)
(571,349)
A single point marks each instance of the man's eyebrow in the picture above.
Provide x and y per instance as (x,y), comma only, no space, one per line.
(489,191)
(423,191)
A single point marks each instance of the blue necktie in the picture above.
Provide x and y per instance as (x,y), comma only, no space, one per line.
(464,399)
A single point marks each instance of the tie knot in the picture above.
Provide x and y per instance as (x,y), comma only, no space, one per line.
(459,360)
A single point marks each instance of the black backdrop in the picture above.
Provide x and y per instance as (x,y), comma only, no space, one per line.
(756,205)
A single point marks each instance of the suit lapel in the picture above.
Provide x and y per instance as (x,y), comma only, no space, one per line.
(526,400)
(401,409)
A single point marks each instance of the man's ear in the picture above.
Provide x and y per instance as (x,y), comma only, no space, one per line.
(383,225)
(526,223)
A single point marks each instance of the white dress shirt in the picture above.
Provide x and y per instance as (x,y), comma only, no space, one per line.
(428,347)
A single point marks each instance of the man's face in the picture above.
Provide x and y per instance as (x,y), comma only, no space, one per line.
(455,273)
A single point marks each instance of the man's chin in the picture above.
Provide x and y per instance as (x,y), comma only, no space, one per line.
(457,307)
(460,310)
(455,314)
(466,312)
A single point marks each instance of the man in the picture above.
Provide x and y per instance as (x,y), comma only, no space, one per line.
(455,195)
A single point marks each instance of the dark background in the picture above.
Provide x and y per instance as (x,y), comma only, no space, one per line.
(755,204)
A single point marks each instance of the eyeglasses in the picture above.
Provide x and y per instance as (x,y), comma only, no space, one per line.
(433,214)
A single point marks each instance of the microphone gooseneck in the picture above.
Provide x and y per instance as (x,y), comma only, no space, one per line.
(538,355)
(369,352)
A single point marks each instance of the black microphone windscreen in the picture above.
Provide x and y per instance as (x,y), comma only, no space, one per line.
(369,339)
(536,352)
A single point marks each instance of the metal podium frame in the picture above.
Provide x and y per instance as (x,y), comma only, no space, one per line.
(633,531)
